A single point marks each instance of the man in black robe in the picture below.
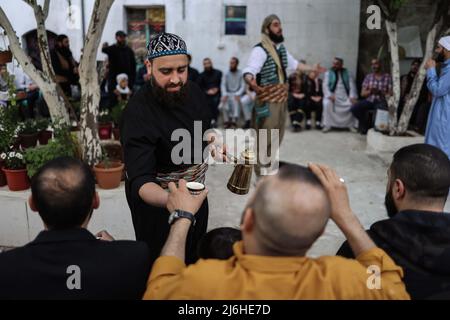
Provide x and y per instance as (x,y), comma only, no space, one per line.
(164,104)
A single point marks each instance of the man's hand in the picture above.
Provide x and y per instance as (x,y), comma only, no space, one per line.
(105,44)
(318,68)
(237,98)
(212,91)
(336,190)
(104,235)
(181,199)
(224,99)
(341,213)
(430,64)
(298,95)
(333,98)
(353,100)
(316,98)
(218,152)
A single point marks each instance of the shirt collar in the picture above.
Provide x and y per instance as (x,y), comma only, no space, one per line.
(267,264)
(75,234)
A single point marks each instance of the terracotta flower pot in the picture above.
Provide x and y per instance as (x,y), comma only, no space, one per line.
(104,130)
(44,136)
(28,140)
(17,179)
(116,133)
(2,174)
(108,178)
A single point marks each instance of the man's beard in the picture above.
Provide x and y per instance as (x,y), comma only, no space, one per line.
(65,52)
(276,38)
(169,99)
(234,69)
(390,204)
(440,57)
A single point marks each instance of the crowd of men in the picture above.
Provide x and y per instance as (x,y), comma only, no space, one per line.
(265,259)
(401,257)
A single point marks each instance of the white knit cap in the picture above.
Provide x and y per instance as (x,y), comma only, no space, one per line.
(445,42)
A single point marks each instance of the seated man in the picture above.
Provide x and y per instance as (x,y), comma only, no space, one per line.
(376,88)
(417,233)
(284,217)
(66,261)
(339,91)
(218,243)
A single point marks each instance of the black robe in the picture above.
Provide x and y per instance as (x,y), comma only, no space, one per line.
(146,130)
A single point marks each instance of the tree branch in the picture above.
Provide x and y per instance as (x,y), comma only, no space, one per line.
(19,54)
(46,9)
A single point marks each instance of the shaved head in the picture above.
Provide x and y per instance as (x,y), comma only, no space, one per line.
(291,210)
(63,192)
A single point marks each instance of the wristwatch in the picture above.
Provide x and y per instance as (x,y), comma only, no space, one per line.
(177,214)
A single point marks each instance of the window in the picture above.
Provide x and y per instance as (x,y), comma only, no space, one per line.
(235,20)
(142,25)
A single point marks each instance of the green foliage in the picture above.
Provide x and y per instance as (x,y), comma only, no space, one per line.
(105,159)
(116,112)
(28,127)
(9,117)
(42,124)
(61,145)
(104,116)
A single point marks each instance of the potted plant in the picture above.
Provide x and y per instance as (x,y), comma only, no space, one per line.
(7,131)
(15,170)
(116,115)
(104,125)
(28,134)
(42,126)
(108,173)
(36,157)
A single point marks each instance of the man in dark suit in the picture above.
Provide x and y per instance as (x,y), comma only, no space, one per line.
(66,261)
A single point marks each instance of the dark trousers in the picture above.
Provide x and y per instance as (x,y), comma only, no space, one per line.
(151,226)
(213,103)
(312,106)
(296,110)
(361,112)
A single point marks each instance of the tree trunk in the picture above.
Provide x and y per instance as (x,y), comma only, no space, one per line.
(417,84)
(393,101)
(52,93)
(90,89)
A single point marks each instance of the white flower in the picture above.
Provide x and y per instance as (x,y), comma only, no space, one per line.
(3,156)
(19,156)
(11,154)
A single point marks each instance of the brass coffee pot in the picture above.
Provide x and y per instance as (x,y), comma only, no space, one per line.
(239,182)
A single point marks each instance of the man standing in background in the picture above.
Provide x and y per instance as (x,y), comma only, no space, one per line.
(438,128)
(209,81)
(121,60)
(233,86)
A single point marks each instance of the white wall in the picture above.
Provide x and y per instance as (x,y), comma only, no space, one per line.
(315,30)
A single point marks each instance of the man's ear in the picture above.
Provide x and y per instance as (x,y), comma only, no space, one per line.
(96,201)
(148,65)
(249,220)
(398,189)
(32,204)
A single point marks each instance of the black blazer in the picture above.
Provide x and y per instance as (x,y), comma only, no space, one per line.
(46,268)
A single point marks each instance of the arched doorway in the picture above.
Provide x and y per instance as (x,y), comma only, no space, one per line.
(32,48)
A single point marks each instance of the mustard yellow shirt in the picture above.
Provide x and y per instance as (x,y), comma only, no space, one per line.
(262,277)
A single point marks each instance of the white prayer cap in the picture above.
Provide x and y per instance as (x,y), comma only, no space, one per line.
(121,76)
(445,42)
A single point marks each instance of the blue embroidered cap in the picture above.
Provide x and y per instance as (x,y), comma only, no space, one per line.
(166,44)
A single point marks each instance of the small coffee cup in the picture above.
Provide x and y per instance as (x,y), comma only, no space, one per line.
(195,188)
